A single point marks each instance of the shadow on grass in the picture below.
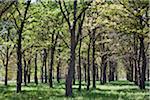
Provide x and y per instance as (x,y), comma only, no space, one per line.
(121,83)
(43,92)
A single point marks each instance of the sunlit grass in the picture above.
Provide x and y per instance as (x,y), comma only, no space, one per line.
(117,90)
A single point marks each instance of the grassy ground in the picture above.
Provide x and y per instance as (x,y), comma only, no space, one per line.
(118,90)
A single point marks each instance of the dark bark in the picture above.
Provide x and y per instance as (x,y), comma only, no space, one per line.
(35,73)
(84,65)
(135,59)
(6,67)
(58,71)
(74,40)
(101,74)
(148,74)
(25,71)
(19,47)
(7,60)
(19,64)
(74,78)
(111,71)
(131,65)
(80,42)
(88,65)
(51,63)
(116,73)
(54,42)
(59,65)
(45,64)
(29,70)
(130,70)
(42,73)
(143,66)
(104,66)
(97,75)
(93,59)
(72,65)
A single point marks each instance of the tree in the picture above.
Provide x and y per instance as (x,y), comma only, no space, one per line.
(73,40)
(19,48)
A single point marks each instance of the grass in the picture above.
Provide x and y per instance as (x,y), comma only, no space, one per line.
(117,90)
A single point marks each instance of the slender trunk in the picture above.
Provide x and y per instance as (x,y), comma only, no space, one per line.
(6,66)
(130,70)
(148,74)
(104,65)
(72,65)
(88,68)
(97,77)
(74,78)
(104,73)
(42,68)
(111,71)
(101,74)
(58,70)
(35,73)
(29,70)
(45,65)
(80,42)
(135,59)
(84,65)
(143,71)
(19,64)
(7,59)
(19,53)
(93,60)
(51,63)
(25,71)
(42,71)
(58,66)
(116,72)
(54,42)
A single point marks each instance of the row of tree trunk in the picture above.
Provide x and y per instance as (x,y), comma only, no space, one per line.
(138,63)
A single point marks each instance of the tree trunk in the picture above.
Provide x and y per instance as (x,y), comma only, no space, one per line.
(148,74)
(97,77)
(51,63)
(54,42)
(42,72)
(116,72)
(29,70)
(19,64)
(45,66)
(19,52)
(58,66)
(80,42)
(130,70)
(84,65)
(7,59)
(72,65)
(25,71)
(135,59)
(58,71)
(6,66)
(111,71)
(143,69)
(35,73)
(93,60)
(101,74)
(104,65)
(88,68)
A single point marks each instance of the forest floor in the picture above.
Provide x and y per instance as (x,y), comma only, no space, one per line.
(117,90)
